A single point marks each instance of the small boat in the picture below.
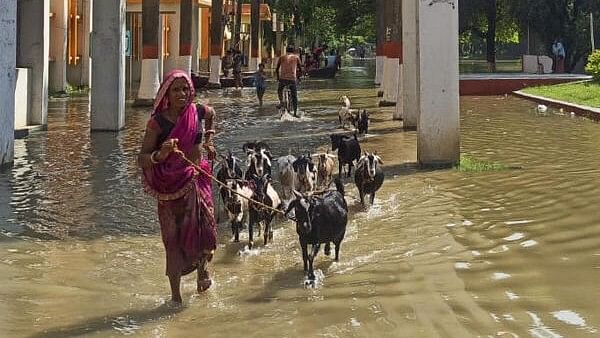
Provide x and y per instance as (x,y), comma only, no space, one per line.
(322,73)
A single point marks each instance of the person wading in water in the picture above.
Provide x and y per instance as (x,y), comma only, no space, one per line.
(184,195)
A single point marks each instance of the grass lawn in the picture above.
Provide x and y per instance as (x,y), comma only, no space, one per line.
(586,93)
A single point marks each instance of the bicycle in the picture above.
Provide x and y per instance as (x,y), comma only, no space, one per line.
(286,102)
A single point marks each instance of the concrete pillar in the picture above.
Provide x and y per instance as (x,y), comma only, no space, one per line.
(195,37)
(254,35)
(216,43)
(8,79)
(22,99)
(397,52)
(149,81)
(162,28)
(392,49)
(33,31)
(185,35)
(438,140)
(380,32)
(57,80)
(409,69)
(86,74)
(172,60)
(108,66)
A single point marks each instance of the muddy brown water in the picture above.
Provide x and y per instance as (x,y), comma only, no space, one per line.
(513,253)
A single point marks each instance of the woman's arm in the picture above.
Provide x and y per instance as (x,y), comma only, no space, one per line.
(209,132)
(148,146)
(148,155)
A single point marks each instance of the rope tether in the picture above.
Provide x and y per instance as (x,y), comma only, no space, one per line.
(182,155)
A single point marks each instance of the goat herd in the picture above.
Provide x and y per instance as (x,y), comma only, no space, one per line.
(320,213)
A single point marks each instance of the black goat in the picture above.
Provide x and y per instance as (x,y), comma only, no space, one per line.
(230,169)
(369,176)
(256,146)
(320,220)
(259,159)
(348,150)
(259,164)
(362,124)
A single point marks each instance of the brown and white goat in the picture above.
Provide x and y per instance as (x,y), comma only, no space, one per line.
(325,166)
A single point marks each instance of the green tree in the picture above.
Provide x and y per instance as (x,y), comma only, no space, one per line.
(489,20)
(567,20)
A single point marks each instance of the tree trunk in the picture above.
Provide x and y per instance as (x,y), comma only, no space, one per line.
(491,36)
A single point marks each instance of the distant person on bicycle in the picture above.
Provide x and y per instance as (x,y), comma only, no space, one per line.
(286,73)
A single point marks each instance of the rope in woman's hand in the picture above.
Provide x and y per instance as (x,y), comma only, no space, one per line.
(204,172)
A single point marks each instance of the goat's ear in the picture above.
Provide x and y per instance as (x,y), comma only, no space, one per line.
(378,159)
(297,194)
(290,206)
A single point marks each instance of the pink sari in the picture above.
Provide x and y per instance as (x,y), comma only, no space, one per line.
(185,202)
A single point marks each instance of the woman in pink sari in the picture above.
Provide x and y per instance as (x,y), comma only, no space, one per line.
(185,205)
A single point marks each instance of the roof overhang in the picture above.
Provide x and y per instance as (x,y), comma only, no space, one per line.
(265,11)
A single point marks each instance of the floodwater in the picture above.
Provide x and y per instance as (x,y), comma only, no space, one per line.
(512,253)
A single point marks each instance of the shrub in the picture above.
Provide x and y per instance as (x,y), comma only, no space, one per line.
(593,65)
(470,164)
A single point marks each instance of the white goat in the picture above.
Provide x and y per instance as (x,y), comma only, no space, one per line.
(345,113)
(237,206)
(287,175)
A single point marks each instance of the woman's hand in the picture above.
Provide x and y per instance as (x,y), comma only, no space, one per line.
(167,148)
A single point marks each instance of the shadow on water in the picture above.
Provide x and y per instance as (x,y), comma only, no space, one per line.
(111,321)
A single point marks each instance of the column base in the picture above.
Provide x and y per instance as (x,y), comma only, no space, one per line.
(213,85)
(23,132)
(436,165)
(215,72)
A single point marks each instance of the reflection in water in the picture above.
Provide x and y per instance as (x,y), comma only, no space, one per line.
(510,253)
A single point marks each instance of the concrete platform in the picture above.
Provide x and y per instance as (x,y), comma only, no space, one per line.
(499,84)
(568,107)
